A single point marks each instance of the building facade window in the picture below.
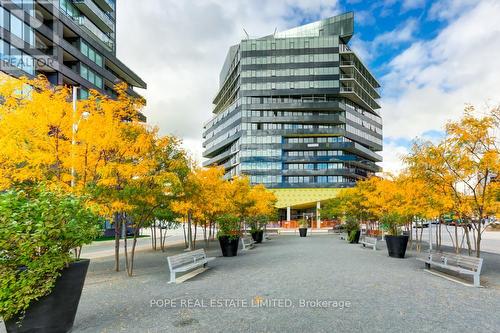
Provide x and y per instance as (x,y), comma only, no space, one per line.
(13,58)
(91,76)
(91,53)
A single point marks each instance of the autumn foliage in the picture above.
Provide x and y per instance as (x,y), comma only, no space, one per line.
(208,197)
(456,177)
(102,150)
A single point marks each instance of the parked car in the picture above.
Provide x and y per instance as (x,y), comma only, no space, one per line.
(421,224)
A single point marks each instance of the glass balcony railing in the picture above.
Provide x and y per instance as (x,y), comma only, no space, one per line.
(68,9)
(364,97)
(101,37)
(96,14)
(107,5)
(362,81)
(344,48)
(346,63)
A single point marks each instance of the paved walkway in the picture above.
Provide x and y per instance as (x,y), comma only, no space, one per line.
(378,293)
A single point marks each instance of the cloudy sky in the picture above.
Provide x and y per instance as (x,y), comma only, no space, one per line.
(432,57)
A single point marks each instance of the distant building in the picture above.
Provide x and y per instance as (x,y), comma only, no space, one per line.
(297,111)
(71,42)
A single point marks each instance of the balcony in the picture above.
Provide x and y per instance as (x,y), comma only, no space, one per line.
(95,14)
(106,5)
(343,48)
(92,29)
(358,95)
(356,78)
(346,63)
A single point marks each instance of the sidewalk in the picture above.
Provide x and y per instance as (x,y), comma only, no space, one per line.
(107,248)
(103,249)
(384,294)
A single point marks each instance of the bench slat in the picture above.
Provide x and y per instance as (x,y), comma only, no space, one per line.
(457,263)
(186,261)
(457,260)
(185,258)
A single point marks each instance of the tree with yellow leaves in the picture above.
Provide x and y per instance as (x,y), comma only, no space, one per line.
(101,149)
(464,166)
(262,210)
(205,197)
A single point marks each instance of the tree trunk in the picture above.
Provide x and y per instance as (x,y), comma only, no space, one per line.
(117,222)
(163,239)
(451,237)
(416,237)
(438,237)
(125,247)
(195,233)
(466,231)
(474,238)
(130,267)
(478,240)
(456,238)
(190,233)
(209,233)
(205,237)
(185,237)
(419,241)
(153,236)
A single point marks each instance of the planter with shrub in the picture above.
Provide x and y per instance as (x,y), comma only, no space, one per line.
(40,280)
(395,240)
(352,229)
(303,225)
(229,234)
(257,224)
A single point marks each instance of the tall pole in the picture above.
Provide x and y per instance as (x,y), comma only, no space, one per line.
(318,217)
(73,138)
(430,235)
(190,233)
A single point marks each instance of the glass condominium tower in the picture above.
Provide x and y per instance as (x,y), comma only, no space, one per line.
(71,42)
(297,110)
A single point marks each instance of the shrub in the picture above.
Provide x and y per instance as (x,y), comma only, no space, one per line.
(38,229)
(303,223)
(351,224)
(391,222)
(229,226)
(257,222)
(352,236)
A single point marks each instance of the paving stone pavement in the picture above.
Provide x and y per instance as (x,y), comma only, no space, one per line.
(364,290)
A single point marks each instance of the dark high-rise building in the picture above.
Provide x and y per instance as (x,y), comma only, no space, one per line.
(297,111)
(71,42)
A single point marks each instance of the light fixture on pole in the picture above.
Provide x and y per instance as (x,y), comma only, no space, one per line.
(84,115)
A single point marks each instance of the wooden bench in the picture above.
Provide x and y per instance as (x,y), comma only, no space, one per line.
(369,241)
(343,235)
(461,264)
(270,234)
(247,243)
(187,261)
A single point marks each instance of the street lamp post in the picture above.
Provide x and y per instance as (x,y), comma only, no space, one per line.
(84,115)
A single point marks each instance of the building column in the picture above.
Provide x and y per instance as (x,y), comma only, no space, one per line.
(288,214)
(318,218)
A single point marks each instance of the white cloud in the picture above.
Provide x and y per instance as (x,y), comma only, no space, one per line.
(368,50)
(450,9)
(178,48)
(392,157)
(431,81)
(412,4)
(403,33)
